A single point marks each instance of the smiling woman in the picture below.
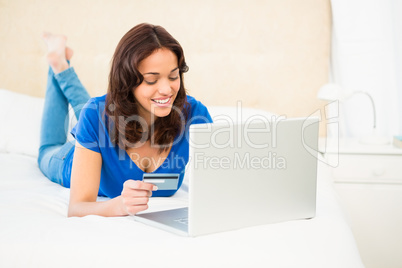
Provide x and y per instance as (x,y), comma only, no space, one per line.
(157,94)
(132,130)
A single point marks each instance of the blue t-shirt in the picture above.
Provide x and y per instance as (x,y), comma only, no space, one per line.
(91,131)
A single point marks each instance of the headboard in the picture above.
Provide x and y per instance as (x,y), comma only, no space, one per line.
(271,55)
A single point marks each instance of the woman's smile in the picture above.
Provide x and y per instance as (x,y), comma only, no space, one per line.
(163,101)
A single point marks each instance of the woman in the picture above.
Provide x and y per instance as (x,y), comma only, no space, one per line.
(138,127)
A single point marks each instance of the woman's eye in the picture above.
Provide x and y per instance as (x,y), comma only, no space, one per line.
(150,83)
(173,78)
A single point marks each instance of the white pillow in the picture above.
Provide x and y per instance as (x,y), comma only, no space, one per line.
(20,119)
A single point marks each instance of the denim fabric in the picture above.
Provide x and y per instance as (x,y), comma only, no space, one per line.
(62,89)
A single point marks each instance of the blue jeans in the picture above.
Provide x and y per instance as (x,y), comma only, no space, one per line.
(62,89)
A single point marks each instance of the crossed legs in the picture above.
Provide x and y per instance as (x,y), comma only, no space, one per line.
(63,88)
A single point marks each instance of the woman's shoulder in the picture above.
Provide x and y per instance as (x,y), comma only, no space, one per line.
(194,103)
(198,111)
(99,100)
(95,104)
(191,99)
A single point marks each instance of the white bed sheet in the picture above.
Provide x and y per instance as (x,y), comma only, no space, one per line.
(36,232)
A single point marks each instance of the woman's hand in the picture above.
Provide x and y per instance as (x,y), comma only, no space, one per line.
(135,196)
(85,181)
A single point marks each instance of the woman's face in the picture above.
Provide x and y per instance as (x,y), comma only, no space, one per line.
(161,84)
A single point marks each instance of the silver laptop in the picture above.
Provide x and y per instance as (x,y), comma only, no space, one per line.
(246,174)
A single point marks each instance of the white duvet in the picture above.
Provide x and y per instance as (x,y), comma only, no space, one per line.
(36,232)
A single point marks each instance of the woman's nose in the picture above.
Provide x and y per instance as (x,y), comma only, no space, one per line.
(164,87)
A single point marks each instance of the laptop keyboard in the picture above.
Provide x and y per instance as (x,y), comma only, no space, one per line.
(182,220)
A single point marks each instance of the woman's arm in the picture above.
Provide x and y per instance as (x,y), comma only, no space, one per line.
(85,181)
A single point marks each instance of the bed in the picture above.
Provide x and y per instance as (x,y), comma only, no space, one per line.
(36,232)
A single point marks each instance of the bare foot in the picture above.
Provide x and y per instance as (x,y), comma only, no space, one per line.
(69,53)
(58,53)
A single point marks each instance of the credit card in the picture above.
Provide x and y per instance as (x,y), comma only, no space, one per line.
(164,181)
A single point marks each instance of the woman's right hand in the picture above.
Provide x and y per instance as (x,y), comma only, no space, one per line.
(135,196)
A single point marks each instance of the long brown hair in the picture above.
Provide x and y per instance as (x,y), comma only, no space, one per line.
(122,107)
